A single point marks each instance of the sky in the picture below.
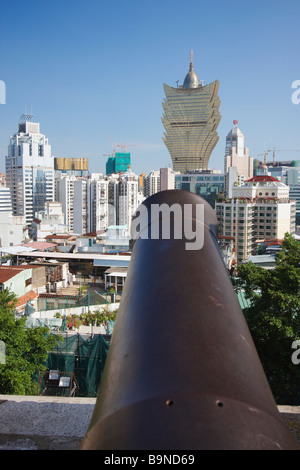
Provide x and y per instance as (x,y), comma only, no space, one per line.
(92,73)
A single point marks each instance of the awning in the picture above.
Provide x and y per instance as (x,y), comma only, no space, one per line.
(117,272)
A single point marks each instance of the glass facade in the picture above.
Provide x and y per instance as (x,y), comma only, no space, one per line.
(208,186)
(191,117)
(29,171)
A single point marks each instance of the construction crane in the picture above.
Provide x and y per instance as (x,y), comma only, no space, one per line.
(276,150)
(273,151)
(264,155)
(123,146)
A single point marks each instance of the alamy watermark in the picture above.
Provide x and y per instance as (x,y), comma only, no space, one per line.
(160,222)
(296,93)
(2,353)
(296,354)
(165,222)
(2,92)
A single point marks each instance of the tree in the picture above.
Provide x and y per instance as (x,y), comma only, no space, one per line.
(273,317)
(26,349)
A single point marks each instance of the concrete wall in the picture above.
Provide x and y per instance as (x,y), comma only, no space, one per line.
(75,310)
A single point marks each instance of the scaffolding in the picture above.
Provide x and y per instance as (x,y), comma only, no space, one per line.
(76,365)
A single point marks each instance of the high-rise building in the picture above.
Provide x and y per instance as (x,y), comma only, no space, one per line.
(206,183)
(118,163)
(97,203)
(64,193)
(29,169)
(260,210)
(167,179)
(238,165)
(191,117)
(151,183)
(94,203)
(72,166)
(124,198)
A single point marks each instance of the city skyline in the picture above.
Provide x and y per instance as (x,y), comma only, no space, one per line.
(93,75)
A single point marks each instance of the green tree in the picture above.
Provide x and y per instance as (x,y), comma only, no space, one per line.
(273,317)
(26,349)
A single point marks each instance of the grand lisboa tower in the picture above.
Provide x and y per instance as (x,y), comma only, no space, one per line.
(191,117)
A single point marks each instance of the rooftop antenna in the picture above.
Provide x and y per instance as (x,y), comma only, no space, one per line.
(191,57)
(25,116)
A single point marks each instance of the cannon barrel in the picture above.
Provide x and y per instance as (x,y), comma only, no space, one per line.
(182,371)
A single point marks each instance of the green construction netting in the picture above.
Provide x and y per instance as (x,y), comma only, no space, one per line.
(85,358)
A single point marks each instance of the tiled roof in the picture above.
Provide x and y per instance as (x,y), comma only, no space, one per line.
(262,179)
(7,272)
(39,245)
(60,237)
(31,295)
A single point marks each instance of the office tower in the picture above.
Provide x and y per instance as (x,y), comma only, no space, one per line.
(208,184)
(72,166)
(260,210)
(120,162)
(29,169)
(191,117)
(238,166)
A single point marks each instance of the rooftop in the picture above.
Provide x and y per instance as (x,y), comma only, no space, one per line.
(262,178)
(7,272)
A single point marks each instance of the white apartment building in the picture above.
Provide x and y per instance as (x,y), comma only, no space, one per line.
(167,179)
(152,183)
(124,198)
(29,170)
(98,201)
(48,222)
(5,200)
(12,229)
(260,210)
(80,212)
(64,193)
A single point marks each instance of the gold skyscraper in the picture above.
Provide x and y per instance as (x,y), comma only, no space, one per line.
(191,117)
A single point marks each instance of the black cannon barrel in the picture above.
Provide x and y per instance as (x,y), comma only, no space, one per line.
(182,371)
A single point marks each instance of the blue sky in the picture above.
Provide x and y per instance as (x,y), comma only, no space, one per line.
(93,71)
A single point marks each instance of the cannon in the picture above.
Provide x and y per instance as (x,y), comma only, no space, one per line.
(182,371)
